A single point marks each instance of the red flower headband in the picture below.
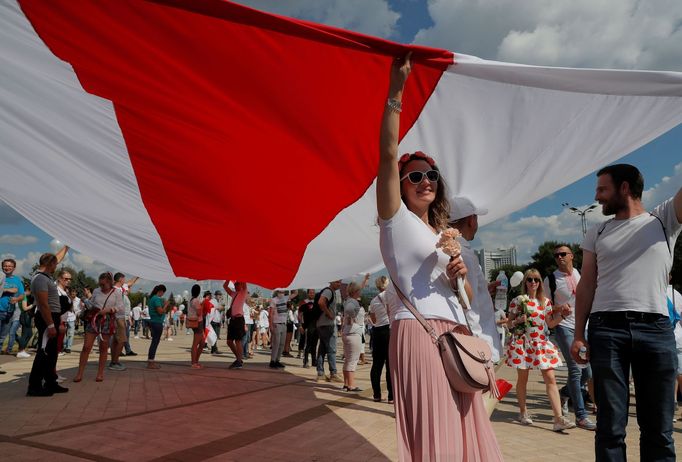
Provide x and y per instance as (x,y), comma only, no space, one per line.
(405,158)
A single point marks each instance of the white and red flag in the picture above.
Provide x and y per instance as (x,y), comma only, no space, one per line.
(204,139)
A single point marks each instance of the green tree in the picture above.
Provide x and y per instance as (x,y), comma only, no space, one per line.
(136,298)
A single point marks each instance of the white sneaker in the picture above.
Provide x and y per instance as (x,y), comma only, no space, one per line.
(563,424)
(525,419)
(23,354)
(61,353)
(61,379)
(169,339)
(137,336)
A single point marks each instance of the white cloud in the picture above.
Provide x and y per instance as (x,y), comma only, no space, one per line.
(17,239)
(373,17)
(664,189)
(624,34)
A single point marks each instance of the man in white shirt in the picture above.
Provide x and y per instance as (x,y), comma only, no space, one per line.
(464,217)
(560,287)
(137,316)
(216,318)
(120,339)
(626,263)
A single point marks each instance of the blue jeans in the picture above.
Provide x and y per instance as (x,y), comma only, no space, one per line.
(157,330)
(576,376)
(68,338)
(616,345)
(5,321)
(13,328)
(327,336)
(246,341)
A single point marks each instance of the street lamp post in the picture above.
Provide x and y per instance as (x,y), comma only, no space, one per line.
(581,213)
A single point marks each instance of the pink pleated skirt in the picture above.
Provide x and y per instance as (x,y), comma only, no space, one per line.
(434,423)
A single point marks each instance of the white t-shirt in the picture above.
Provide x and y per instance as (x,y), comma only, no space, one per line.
(565,293)
(264,319)
(408,247)
(378,306)
(482,314)
(112,300)
(353,317)
(137,312)
(633,261)
(145,313)
(247,314)
(68,316)
(279,307)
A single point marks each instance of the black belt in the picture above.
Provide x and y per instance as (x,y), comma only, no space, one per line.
(627,316)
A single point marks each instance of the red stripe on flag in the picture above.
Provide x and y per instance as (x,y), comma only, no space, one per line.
(248,132)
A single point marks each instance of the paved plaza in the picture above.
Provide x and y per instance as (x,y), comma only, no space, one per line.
(216,414)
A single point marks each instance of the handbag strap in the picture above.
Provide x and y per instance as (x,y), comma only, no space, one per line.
(425,324)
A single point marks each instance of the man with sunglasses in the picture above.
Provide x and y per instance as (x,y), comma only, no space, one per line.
(565,282)
(464,217)
(626,262)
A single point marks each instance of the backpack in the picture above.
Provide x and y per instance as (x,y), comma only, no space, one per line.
(317,311)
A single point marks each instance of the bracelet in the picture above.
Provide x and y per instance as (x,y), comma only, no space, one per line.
(394,105)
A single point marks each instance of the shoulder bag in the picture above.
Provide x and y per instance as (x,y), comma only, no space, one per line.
(467,359)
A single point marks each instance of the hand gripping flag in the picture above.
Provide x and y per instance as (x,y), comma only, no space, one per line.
(204,139)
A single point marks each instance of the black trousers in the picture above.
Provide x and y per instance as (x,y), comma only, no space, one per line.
(45,361)
(380,338)
(310,345)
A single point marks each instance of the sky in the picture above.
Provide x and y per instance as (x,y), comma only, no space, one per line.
(618,34)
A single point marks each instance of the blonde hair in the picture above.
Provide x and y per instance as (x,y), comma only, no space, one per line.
(352,288)
(381,283)
(540,293)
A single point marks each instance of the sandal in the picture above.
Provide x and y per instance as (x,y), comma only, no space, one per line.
(99,379)
(356,389)
(77,379)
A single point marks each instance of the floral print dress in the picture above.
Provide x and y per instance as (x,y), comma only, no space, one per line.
(529,346)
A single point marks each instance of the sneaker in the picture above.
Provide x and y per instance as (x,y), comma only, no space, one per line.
(67,351)
(137,336)
(305,366)
(236,365)
(39,392)
(57,389)
(320,378)
(61,353)
(586,424)
(272,365)
(279,365)
(23,354)
(61,379)
(563,424)
(525,419)
(170,339)
(335,378)
(117,367)
(131,353)
(564,405)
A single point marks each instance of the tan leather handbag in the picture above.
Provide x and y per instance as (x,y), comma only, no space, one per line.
(467,359)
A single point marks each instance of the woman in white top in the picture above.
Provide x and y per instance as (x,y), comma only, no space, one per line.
(381,334)
(99,321)
(195,321)
(433,421)
(353,327)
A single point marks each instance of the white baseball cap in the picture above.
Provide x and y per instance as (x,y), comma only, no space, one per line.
(461,207)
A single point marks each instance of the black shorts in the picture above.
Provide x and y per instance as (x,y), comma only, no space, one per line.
(235,329)
(290,327)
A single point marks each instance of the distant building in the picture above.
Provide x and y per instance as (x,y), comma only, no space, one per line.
(493,259)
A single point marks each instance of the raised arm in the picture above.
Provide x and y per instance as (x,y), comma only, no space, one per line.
(62,253)
(230,292)
(388,180)
(132,282)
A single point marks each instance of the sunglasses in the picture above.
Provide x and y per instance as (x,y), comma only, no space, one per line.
(417,177)
(534,280)
(561,254)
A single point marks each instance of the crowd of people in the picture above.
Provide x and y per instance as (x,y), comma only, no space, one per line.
(622,290)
